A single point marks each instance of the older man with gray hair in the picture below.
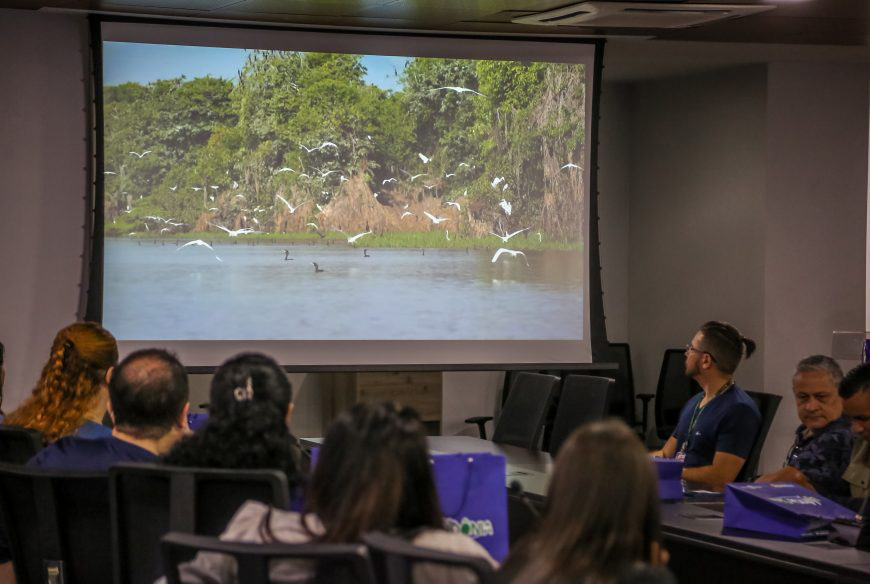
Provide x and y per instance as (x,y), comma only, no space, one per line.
(823,442)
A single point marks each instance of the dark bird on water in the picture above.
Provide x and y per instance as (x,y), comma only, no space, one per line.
(317,268)
(287,255)
(366,253)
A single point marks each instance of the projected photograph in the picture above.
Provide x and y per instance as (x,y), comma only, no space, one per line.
(270,195)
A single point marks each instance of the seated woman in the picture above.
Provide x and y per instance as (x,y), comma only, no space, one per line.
(372,474)
(601,522)
(71,394)
(249,412)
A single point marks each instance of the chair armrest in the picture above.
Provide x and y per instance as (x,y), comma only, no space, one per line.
(645,398)
(480,421)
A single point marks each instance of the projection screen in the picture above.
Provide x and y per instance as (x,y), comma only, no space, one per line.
(345,199)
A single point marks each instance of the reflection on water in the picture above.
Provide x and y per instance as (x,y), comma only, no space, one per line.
(157,291)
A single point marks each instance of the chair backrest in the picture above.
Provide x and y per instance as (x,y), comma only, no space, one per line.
(149,500)
(767,404)
(18,445)
(672,392)
(57,522)
(333,563)
(395,560)
(622,402)
(583,398)
(524,413)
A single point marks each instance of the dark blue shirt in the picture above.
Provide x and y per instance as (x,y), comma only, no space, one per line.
(728,423)
(93,430)
(88,454)
(823,456)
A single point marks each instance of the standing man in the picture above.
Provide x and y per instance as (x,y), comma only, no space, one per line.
(717,428)
(855,391)
(148,395)
(823,442)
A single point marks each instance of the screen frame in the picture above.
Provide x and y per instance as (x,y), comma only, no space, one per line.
(94,228)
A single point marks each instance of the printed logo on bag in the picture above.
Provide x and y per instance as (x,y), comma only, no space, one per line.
(797,500)
(471,528)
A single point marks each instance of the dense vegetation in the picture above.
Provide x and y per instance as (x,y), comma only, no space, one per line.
(299,143)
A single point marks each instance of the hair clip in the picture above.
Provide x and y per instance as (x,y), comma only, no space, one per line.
(244,393)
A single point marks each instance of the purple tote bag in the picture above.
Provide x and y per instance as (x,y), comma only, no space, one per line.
(473,496)
(783,510)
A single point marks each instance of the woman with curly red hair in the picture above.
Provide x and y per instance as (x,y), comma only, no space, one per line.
(71,394)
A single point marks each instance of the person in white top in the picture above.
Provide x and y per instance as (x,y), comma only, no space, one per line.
(372,475)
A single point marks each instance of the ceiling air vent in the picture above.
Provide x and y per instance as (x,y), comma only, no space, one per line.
(638,14)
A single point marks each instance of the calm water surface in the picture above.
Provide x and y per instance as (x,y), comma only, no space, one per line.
(158,291)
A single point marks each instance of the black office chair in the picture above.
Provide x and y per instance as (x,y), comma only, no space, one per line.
(583,398)
(767,404)
(524,412)
(622,400)
(149,500)
(57,524)
(394,560)
(673,390)
(18,445)
(333,563)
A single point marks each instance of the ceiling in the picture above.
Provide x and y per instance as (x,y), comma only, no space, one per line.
(805,22)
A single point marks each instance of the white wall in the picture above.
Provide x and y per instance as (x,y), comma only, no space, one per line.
(697,213)
(814,252)
(747,203)
(42,159)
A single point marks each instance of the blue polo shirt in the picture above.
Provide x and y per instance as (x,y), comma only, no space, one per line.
(88,454)
(729,423)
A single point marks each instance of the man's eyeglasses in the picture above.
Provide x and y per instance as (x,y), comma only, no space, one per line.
(690,348)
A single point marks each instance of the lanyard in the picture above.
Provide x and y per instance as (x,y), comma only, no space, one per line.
(698,408)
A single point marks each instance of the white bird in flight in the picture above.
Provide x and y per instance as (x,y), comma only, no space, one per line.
(314,225)
(215,187)
(319,208)
(513,253)
(200,243)
(458,90)
(569,165)
(496,180)
(232,232)
(506,237)
(284,169)
(289,206)
(352,239)
(109,172)
(173,188)
(383,182)
(449,174)
(424,158)
(455,204)
(434,219)
(415,176)
(506,206)
(141,155)
(405,214)
(197,189)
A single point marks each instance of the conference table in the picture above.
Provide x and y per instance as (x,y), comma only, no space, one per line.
(693,533)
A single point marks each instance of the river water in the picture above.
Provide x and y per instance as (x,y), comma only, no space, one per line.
(159,291)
